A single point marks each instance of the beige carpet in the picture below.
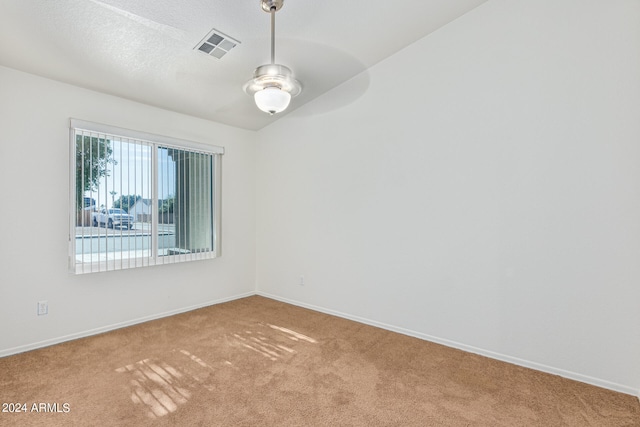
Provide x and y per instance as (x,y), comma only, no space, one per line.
(259,362)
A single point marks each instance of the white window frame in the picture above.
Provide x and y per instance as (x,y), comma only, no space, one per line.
(155,141)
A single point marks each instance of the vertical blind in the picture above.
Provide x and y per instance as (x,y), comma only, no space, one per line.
(139,199)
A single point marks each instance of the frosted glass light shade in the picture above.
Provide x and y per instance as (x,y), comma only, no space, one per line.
(272,100)
(272,87)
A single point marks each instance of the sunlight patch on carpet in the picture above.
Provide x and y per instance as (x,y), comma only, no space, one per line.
(195,359)
(259,345)
(157,385)
(265,343)
(162,388)
(295,336)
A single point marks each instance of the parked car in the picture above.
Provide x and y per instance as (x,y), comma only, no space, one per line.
(113,218)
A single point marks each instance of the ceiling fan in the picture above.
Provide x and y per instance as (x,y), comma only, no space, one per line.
(273,85)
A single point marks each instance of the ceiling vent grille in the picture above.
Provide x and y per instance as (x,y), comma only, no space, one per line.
(216,44)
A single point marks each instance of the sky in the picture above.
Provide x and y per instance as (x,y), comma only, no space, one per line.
(132,174)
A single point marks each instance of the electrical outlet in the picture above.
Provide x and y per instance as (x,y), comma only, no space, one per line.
(43,308)
(301,283)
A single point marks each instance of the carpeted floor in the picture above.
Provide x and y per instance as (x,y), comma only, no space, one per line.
(259,362)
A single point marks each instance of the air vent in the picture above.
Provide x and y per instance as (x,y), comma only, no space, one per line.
(216,44)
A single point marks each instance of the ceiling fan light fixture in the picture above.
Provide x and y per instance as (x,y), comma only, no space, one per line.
(272,100)
(273,85)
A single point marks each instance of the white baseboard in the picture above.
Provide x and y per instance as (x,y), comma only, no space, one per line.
(493,355)
(90,332)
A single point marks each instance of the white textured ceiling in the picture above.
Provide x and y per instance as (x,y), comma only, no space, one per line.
(144,50)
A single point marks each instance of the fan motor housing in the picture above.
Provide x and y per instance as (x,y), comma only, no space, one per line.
(268,5)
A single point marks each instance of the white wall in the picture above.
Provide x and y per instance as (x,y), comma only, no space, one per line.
(483,192)
(34,177)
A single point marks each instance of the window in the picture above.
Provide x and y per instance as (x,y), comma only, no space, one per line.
(139,199)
